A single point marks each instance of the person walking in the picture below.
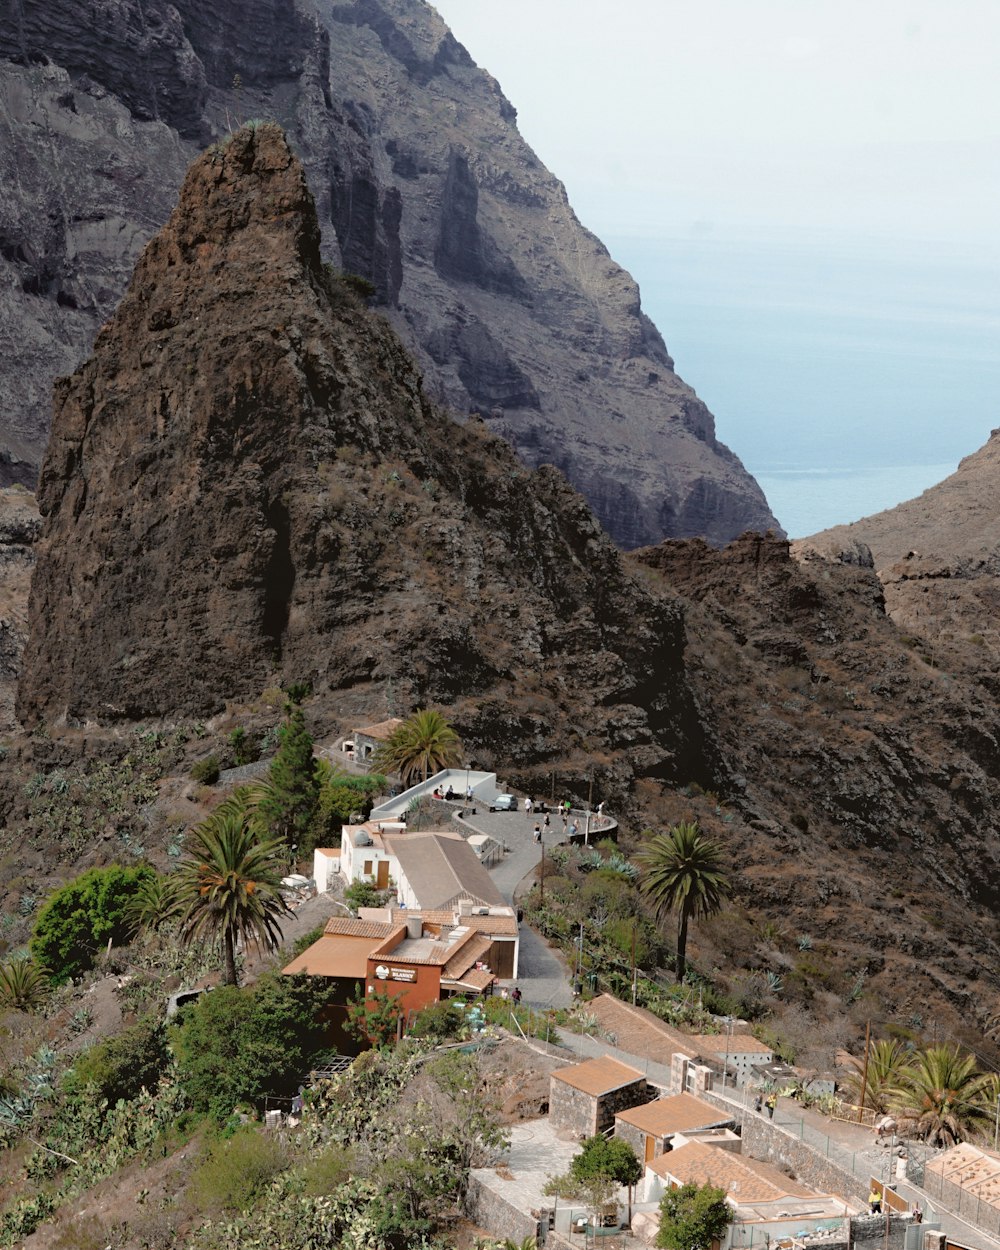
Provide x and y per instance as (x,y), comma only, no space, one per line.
(875,1201)
(758,1104)
(772,1102)
(538,832)
(547,822)
(528,806)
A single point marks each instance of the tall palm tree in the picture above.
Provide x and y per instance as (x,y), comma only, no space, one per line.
(420,746)
(883,1082)
(682,873)
(229,885)
(945,1097)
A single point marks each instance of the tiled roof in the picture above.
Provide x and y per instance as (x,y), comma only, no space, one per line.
(598,1076)
(475,979)
(470,953)
(677,1114)
(442,869)
(499,926)
(336,956)
(733,1044)
(744,1180)
(382,731)
(337,925)
(639,1032)
(332,852)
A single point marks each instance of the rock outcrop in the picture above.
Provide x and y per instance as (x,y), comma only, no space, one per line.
(938,559)
(246,482)
(424,187)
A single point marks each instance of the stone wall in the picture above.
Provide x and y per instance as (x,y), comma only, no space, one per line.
(587,1114)
(492,1212)
(635,1137)
(767,1141)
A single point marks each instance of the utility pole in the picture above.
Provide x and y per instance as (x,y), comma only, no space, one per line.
(635,978)
(541,880)
(864,1071)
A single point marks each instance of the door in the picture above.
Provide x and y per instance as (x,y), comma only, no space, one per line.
(650,1146)
(382,880)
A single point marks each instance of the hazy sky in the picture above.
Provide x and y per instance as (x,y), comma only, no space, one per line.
(808,193)
(871,116)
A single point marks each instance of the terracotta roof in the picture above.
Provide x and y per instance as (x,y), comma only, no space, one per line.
(639,1032)
(677,1114)
(441,869)
(734,1043)
(471,953)
(474,979)
(337,955)
(598,1076)
(343,925)
(744,1180)
(383,730)
(332,852)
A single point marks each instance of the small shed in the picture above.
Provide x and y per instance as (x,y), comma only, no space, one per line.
(586,1097)
(654,1128)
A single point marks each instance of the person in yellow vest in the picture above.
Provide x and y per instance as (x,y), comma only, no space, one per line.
(875,1201)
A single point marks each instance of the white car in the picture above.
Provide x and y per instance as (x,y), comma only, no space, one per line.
(504,803)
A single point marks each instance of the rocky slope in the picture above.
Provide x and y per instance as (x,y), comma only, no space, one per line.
(938,559)
(246,483)
(424,186)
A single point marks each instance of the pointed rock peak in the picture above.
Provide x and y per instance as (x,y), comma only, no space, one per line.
(249,183)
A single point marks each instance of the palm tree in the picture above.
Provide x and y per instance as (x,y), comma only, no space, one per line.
(945,1097)
(154,903)
(423,744)
(682,872)
(883,1082)
(23,984)
(229,887)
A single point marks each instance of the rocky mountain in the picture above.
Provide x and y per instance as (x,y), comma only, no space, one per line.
(424,187)
(938,559)
(246,483)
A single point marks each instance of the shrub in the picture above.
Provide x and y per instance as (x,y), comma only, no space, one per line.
(23,984)
(206,771)
(363,894)
(124,1065)
(235,1172)
(440,1022)
(83,916)
(237,1046)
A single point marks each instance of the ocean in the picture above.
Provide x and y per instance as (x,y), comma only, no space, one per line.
(847,375)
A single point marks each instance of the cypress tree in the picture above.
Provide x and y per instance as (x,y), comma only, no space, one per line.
(288,806)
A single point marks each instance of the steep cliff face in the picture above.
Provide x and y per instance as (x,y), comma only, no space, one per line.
(246,482)
(938,559)
(868,778)
(423,186)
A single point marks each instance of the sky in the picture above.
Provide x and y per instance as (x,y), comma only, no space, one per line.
(796,185)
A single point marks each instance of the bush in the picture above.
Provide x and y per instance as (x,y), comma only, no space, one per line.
(440,1022)
(82,917)
(206,771)
(364,894)
(124,1065)
(237,1046)
(235,1172)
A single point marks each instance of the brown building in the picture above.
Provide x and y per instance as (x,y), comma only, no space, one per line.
(586,1097)
(652,1128)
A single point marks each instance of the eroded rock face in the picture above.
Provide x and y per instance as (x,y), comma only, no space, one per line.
(246,482)
(423,186)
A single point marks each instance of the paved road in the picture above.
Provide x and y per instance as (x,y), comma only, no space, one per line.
(543,978)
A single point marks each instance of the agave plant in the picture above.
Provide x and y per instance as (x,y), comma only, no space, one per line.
(24,984)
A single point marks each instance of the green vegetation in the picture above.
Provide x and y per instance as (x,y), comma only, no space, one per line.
(363,894)
(883,1082)
(121,1067)
(229,886)
(206,771)
(80,919)
(692,1217)
(287,802)
(24,984)
(422,745)
(944,1097)
(235,1047)
(682,873)
(341,796)
(374,1019)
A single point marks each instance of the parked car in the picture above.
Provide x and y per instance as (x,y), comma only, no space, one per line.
(504,803)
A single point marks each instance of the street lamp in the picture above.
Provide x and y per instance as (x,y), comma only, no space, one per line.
(729,1034)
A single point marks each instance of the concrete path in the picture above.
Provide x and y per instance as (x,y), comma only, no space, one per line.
(542,974)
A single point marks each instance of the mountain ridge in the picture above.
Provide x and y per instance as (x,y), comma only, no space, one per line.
(423,185)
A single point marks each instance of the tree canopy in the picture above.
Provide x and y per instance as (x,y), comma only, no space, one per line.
(692,1217)
(79,919)
(229,886)
(612,1157)
(419,747)
(682,873)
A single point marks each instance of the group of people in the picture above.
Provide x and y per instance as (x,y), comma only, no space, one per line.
(759,1103)
(514,995)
